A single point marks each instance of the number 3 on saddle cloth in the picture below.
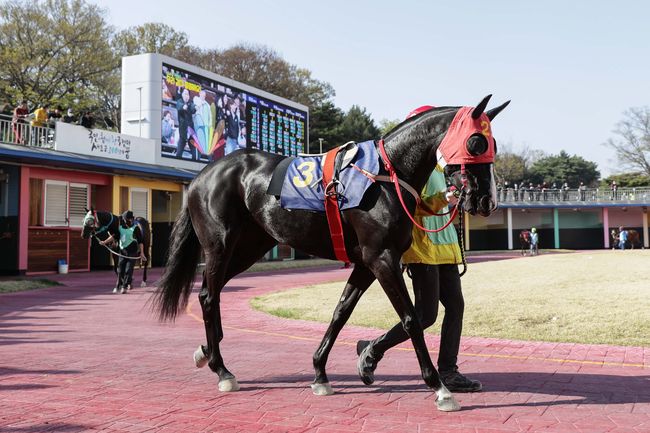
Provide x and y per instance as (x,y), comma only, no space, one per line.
(303,185)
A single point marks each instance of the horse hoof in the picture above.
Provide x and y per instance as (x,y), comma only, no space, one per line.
(364,369)
(200,360)
(447,404)
(322,389)
(143,284)
(228,385)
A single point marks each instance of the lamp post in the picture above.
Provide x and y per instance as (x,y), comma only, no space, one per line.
(140,112)
(320,141)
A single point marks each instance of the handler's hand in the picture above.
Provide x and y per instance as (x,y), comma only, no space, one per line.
(451,198)
(143,258)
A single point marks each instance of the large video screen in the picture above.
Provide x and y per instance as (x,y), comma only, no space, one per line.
(203,119)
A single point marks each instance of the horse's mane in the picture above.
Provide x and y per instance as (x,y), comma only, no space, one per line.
(418,131)
(407,123)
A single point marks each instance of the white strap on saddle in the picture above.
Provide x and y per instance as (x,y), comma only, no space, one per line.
(349,149)
(406,186)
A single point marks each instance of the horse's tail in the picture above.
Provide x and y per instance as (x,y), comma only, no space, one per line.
(177,280)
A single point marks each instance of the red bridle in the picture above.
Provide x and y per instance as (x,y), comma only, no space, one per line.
(395,180)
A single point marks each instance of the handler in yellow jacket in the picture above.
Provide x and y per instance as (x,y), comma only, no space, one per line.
(432,261)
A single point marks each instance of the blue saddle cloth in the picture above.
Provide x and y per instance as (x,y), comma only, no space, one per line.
(303,184)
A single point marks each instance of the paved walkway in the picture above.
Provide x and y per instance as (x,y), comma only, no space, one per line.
(77,358)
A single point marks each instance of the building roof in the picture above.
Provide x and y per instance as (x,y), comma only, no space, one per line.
(68,160)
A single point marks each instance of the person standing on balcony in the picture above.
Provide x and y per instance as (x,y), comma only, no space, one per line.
(69,116)
(54,116)
(87,120)
(583,191)
(565,191)
(614,189)
(19,123)
(40,116)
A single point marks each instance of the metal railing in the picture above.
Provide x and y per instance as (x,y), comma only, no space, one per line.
(23,133)
(536,195)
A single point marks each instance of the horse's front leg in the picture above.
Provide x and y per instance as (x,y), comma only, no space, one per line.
(359,281)
(387,270)
(147,256)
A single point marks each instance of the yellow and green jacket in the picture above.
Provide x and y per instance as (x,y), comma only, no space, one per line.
(439,248)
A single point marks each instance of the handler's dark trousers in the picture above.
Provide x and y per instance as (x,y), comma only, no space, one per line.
(433,283)
(125,266)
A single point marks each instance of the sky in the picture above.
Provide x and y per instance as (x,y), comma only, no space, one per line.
(571,68)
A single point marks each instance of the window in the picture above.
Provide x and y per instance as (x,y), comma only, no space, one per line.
(56,203)
(78,204)
(140,202)
(35,202)
(65,203)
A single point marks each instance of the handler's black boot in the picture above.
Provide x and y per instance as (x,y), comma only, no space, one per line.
(367,362)
(456,382)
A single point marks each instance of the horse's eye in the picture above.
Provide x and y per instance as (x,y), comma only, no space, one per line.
(477,145)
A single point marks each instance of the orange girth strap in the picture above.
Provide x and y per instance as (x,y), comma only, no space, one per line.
(332,206)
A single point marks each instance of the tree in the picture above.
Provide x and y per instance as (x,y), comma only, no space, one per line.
(633,143)
(510,167)
(358,126)
(631,180)
(262,67)
(325,122)
(149,38)
(54,51)
(385,125)
(564,168)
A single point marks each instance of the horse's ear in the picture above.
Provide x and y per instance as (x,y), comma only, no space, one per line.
(480,108)
(87,210)
(491,114)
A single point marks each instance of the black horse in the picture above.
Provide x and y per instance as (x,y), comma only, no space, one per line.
(231,219)
(524,241)
(100,224)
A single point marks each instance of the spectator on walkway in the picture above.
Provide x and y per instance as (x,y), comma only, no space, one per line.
(614,189)
(555,192)
(19,123)
(583,190)
(565,191)
(40,116)
(87,120)
(516,192)
(69,117)
(54,116)
(531,192)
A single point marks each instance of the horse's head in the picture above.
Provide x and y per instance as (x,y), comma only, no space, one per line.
(456,138)
(467,152)
(89,224)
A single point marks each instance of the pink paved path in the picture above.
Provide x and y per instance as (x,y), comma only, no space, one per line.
(78,358)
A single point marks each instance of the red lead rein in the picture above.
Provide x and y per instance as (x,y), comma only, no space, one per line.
(395,180)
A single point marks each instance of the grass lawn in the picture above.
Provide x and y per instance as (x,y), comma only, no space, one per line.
(585,297)
(19,285)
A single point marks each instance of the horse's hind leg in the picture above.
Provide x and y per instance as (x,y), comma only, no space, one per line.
(356,286)
(234,254)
